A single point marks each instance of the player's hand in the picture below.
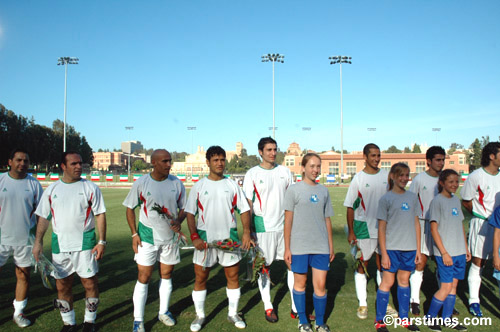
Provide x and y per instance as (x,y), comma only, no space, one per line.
(418,258)
(37,251)
(98,251)
(199,244)
(496,262)
(351,237)
(246,241)
(332,255)
(175,225)
(288,258)
(468,256)
(386,261)
(253,236)
(136,243)
(447,260)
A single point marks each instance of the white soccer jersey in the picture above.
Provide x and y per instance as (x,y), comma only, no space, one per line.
(266,188)
(215,203)
(483,189)
(363,196)
(18,201)
(145,193)
(71,208)
(426,188)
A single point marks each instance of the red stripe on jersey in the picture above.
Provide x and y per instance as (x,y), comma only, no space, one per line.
(143,200)
(235,199)
(481,197)
(89,209)
(200,206)
(52,210)
(421,205)
(257,194)
(179,198)
(362,200)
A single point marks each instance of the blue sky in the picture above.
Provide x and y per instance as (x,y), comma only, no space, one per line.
(162,66)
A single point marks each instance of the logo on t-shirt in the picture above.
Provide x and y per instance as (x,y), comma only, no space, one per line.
(405,207)
(454,212)
(148,194)
(314,198)
(261,181)
(55,196)
(425,188)
(367,185)
(206,193)
(4,189)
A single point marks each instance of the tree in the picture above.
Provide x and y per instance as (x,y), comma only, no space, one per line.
(139,165)
(393,149)
(416,148)
(280,157)
(474,155)
(454,147)
(407,149)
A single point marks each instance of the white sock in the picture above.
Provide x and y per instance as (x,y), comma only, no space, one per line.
(68,317)
(19,306)
(91,304)
(233,296)
(140,296)
(474,283)
(416,278)
(199,302)
(360,282)
(165,292)
(265,290)
(290,280)
(379,278)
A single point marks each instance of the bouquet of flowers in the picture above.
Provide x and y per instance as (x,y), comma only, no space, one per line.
(180,239)
(356,255)
(45,267)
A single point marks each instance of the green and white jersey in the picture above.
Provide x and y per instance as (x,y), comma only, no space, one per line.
(71,208)
(266,188)
(18,201)
(426,188)
(214,203)
(168,194)
(363,197)
(482,188)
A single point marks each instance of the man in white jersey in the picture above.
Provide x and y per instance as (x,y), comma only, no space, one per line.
(480,197)
(264,186)
(425,185)
(155,239)
(363,195)
(74,207)
(214,199)
(19,196)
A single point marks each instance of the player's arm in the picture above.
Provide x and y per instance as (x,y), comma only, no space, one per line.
(100,221)
(136,239)
(41,228)
(350,225)
(439,244)
(287,232)
(417,230)
(496,247)
(245,239)
(175,225)
(468,256)
(382,226)
(467,205)
(330,237)
(195,238)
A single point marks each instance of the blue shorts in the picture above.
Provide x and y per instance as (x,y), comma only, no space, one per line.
(401,260)
(301,263)
(456,271)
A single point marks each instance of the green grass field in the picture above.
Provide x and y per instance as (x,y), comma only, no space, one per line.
(117,278)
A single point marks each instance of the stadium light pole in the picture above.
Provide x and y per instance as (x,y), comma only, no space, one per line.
(436,130)
(306,129)
(65,61)
(340,60)
(192,129)
(274,57)
(371,130)
(129,151)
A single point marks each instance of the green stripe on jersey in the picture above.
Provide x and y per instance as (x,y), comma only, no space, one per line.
(356,204)
(479,216)
(233,234)
(259,224)
(361,229)
(55,244)
(89,240)
(145,233)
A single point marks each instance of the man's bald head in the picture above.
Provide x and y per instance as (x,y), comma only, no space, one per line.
(159,153)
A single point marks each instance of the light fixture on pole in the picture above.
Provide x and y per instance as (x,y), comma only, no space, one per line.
(65,61)
(340,60)
(371,130)
(130,149)
(436,130)
(306,129)
(192,129)
(274,57)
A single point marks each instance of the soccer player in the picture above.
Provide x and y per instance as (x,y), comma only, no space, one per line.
(19,196)
(264,186)
(362,199)
(75,207)
(479,197)
(213,200)
(153,240)
(425,185)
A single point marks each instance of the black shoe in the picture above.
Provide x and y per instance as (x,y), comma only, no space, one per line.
(415,308)
(89,327)
(69,328)
(455,312)
(457,327)
(412,327)
(435,328)
(380,326)
(271,316)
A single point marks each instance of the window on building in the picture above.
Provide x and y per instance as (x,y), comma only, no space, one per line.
(333,167)
(452,162)
(461,160)
(351,167)
(386,165)
(290,162)
(420,167)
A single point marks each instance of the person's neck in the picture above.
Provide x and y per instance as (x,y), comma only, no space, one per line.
(446,194)
(67,179)
(158,177)
(370,170)
(491,169)
(267,165)
(432,172)
(309,181)
(215,177)
(398,190)
(16,175)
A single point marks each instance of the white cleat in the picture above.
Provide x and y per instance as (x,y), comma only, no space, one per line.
(21,320)
(237,321)
(197,324)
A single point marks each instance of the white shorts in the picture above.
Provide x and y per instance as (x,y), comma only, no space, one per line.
(149,254)
(20,254)
(215,255)
(480,238)
(426,244)
(81,262)
(368,247)
(272,245)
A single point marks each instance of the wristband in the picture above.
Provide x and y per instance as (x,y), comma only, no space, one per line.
(103,242)
(194,236)
(135,234)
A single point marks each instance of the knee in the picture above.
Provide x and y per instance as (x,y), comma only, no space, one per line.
(90,284)
(23,274)
(144,276)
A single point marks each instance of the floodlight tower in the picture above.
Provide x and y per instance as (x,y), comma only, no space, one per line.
(65,61)
(436,130)
(274,57)
(340,60)
(130,149)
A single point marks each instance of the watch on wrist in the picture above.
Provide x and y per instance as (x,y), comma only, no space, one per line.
(103,242)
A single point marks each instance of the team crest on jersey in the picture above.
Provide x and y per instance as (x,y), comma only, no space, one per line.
(55,196)
(4,189)
(405,206)
(367,185)
(314,198)
(454,212)
(148,194)
(261,181)
(206,193)
(425,188)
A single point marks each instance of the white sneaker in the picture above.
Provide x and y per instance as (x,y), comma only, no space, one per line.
(197,324)
(362,312)
(138,327)
(167,318)
(237,321)
(21,320)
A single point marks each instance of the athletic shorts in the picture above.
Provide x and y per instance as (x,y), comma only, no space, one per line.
(401,260)
(301,263)
(480,238)
(81,262)
(272,244)
(149,254)
(211,256)
(20,254)
(456,271)
(368,247)
(426,244)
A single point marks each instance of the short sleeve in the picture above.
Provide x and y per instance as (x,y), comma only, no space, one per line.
(181,201)
(416,204)
(352,193)
(43,208)
(191,204)
(328,211)
(434,211)
(469,189)
(383,209)
(98,206)
(494,219)
(248,185)
(290,199)
(241,201)
(132,199)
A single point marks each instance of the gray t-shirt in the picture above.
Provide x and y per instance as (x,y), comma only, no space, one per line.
(399,211)
(447,213)
(310,206)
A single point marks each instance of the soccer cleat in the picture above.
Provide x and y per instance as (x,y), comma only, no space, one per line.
(455,312)
(435,328)
(21,320)
(362,312)
(197,324)
(271,316)
(69,328)
(138,327)
(415,308)
(89,327)
(456,326)
(411,327)
(380,326)
(167,318)
(237,321)
(391,311)
(475,310)
(305,328)
(323,328)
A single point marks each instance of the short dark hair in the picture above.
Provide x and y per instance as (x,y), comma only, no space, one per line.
(215,150)
(366,149)
(265,140)
(433,151)
(63,156)
(17,150)
(489,149)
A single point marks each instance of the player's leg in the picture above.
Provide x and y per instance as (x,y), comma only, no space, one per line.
(233,295)
(320,265)
(22,260)
(383,294)
(203,261)
(272,246)
(64,272)
(87,268)
(378,261)
(403,293)
(168,257)
(367,248)
(300,266)
(417,276)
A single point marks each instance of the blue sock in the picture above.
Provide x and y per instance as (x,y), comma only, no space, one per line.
(319,308)
(434,308)
(382,301)
(404,301)
(300,303)
(449,304)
